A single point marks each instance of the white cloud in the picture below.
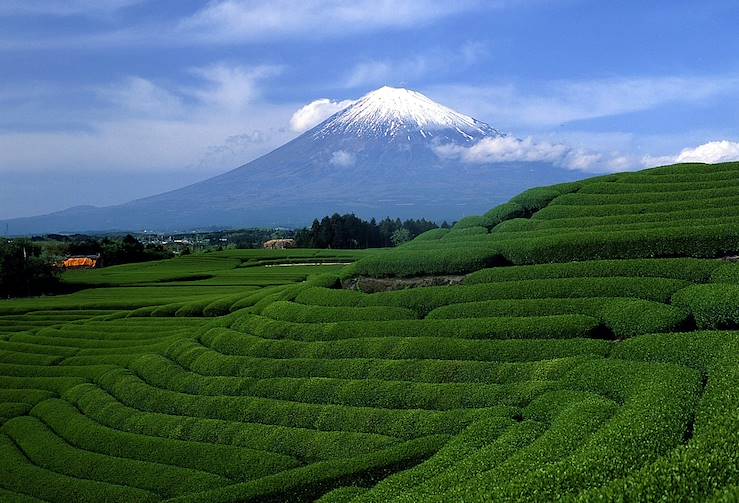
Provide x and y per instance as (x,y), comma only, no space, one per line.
(316,112)
(138,95)
(250,20)
(504,149)
(139,126)
(231,87)
(342,159)
(710,152)
(510,149)
(559,102)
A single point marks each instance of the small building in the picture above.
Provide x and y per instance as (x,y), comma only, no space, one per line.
(81,262)
(279,244)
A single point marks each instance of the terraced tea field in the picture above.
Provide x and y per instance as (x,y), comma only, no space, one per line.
(584,348)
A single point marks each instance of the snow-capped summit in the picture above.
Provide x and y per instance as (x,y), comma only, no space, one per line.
(390,111)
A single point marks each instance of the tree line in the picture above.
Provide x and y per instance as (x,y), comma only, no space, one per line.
(26,269)
(30,267)
(350,231)
(117,251)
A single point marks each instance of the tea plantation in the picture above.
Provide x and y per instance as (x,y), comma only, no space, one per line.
(584,346)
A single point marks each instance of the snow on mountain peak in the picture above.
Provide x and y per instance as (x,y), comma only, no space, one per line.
(390,111)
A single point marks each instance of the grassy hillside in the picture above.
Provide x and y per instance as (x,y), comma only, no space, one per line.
(586,351)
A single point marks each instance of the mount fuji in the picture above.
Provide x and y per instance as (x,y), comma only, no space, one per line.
(377,157)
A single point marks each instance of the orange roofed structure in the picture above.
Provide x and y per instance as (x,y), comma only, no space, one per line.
(81,262)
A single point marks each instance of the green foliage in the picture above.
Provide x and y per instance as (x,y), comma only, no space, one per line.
(694,270)
(624,317)
(726,273)
(400,236)
(537,327)
(299,313)
(424,300)
(349,231)
(408,263)
(712,305)
(25,269)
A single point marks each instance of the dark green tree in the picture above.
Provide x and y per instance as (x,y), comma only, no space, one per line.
(25,269)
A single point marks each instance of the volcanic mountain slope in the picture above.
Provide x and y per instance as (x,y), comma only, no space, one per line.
(375,158)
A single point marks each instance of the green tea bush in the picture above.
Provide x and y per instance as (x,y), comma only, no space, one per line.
(699,242)
(535,199)
(686,218)
(502,213)
(424,300)
(537,327)
(726,273)
(377,393)
(300,313)
(407,263)
(626,225)
(631,188)
(309,482)
(643,197)
(462,233)
(570,211)
(432,234)
(205,361)
(688,269)
(471,222)
(47,450)
(624,317)
(712,305)
(236,463)
(20,475)
(700,467)
(301,443)
(689,171)
(235,343)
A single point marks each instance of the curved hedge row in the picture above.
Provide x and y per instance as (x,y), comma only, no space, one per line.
(376,393)
(536,327)
(712,305)
(236,463)
(707,463)
(523,233)
(644,196)
(424,300)
(687,269)
(620,187)
(432,234)
(47,450)
(399,423)
(206,361)
(406,263)
(687,217)
(297,442)
(235,343)
(623,316)
(301,313)
(461,257)
(570,211)
(19,475)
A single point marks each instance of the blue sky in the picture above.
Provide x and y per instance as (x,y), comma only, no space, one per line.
(102,101)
